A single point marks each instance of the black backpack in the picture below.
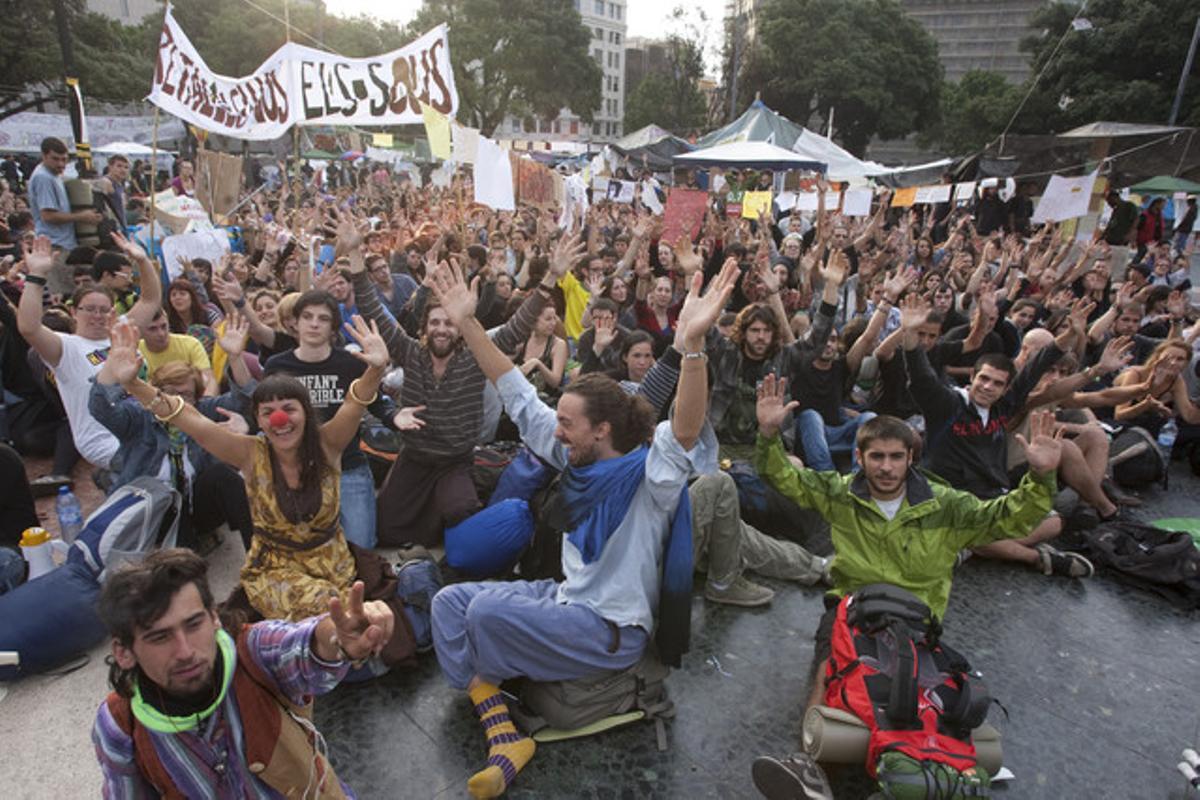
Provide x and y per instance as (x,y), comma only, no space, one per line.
(1136,460)
(1164,562)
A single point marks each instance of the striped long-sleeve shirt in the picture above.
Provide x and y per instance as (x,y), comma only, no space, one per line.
(453,405)
(210,761)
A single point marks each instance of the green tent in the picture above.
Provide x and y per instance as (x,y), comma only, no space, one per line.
(758,124)
(1165,185)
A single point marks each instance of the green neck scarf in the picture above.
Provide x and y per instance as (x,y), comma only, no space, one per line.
(160,722)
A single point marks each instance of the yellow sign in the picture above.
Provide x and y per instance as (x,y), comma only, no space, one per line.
(437,129)
(755,203)
(381,139)
(903,198)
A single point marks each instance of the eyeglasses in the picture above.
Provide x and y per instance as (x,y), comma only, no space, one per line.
(94,309)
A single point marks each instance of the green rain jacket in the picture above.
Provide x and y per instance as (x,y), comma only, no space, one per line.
(917,549)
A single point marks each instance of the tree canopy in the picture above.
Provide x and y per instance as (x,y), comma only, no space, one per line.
(1125,69)
(671,97)
(974,111)
(869,61)
(521,57)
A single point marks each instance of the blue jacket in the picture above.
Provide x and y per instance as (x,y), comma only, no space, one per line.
(144,441)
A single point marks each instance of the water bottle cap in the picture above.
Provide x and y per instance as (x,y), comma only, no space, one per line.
(32,537)
(62,490)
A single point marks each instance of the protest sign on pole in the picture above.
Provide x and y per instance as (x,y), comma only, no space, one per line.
(684,213)
(857,203)
(218,181)
(493,177)
(437,129)
(1065,198)
(299,85)
(755,203)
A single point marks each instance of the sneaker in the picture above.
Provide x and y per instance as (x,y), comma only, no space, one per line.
(741,592)
(796,777)
(1053,561)
(48,485)
(407,553)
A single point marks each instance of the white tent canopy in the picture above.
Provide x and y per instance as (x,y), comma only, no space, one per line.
(131,149)
(842,164)
(749,155)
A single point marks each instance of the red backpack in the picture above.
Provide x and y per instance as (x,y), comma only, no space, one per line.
(917,696)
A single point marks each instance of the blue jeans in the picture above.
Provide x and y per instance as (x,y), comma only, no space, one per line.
(357,511)
(819,441)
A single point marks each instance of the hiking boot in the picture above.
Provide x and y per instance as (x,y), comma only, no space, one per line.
(48,485)
(411,552)
(1052,561)
(796,777)
(1119,495)
(741,592)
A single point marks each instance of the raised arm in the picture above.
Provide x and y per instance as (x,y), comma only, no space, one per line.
(123,364)
(44,341)
(698,315)
(337,433)
(150,298)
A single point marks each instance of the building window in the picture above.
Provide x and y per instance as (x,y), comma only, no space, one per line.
(599,34)
(574,127)
(618,12)
(616,84)
(557,126)
(599,54)
(612,10)
(617,60)
(618,35)
(600,7)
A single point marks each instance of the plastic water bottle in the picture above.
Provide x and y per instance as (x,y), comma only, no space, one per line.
(1166,437)
(70,514)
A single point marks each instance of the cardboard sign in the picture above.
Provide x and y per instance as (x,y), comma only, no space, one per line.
(684,214)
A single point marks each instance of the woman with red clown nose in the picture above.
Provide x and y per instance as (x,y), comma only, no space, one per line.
(299,556)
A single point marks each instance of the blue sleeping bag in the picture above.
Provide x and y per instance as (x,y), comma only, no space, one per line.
(52,619)
(487,544)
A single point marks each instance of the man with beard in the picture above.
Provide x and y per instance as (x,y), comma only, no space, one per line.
(429,488)
(198,711)
(889,525)
(627,560)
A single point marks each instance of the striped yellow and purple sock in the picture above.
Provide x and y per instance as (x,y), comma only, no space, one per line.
(508,751)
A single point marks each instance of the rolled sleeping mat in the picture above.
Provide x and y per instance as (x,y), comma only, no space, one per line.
(82,198)
(838,737)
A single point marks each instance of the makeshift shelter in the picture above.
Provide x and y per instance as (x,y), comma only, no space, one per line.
(757,124)
(651,146)
(843,166)
(748,155)
(1165,184)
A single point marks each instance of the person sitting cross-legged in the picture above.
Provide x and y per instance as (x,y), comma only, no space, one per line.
(627,560)
(891,525)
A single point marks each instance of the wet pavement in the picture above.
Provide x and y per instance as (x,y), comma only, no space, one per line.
(1101,684)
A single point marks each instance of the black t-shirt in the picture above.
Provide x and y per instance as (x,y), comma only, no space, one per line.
(284,342)
(327,382)
(821,389)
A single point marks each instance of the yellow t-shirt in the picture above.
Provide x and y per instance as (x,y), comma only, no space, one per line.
(180,348)
(576,301)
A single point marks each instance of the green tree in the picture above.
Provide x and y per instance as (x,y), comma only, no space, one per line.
(973,112)
(1125,69)
(868,60)
(670,97)
(522,57)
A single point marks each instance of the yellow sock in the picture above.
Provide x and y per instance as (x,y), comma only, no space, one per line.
(508,751)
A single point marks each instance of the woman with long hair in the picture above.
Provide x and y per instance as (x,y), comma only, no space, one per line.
(299,554)
(543,358)
(188,314)
(1166,394)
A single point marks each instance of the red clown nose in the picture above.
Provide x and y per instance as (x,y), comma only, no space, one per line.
(278,418)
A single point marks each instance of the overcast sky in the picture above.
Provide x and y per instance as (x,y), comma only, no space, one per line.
(646,18)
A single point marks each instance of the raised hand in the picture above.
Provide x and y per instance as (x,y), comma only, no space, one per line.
(914,310)
(453,293)
(233,338)
(349,237)
(40,258)
(567,250)
(406,419)
(595,284)
(124,361)
(1043,449)
(361,629)
(234,422)
(772,407)
(129,247)
(605,331)
(770,281)
(700,313)
(1117,353)
(835,269)
(1176,304)
(898,282)
(374,351)
(687,256)
(230,291)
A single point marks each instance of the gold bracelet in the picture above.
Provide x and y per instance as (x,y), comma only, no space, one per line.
(354,395)
(178,410)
